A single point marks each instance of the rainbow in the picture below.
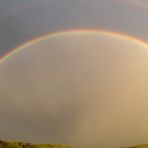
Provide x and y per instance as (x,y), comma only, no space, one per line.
(67,32)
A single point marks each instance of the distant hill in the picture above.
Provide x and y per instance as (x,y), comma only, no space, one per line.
(138,146)
(4,144)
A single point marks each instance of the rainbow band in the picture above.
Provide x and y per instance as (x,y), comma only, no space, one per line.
(68,32)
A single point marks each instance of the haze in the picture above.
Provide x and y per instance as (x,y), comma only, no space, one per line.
(86,89)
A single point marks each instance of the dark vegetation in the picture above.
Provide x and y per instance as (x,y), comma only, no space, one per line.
(4,144)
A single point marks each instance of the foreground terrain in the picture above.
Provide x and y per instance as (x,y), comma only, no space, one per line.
(4,144)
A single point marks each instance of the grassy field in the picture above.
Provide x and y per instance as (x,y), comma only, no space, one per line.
(4,144)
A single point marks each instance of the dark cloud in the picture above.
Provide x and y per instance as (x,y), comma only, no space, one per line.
(21,21)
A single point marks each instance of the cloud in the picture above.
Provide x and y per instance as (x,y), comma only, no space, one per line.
(26,20)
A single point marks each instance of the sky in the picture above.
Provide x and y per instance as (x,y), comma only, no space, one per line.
(76,88)
(99,89)
(21,21)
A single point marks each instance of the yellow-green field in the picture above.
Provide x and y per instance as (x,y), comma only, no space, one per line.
(4,144)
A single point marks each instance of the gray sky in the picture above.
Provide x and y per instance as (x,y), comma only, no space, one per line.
(22,20)
(117,67)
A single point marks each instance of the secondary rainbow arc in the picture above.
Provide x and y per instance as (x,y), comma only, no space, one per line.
(61,33)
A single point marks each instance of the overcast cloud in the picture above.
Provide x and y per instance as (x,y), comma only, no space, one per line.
(21,21)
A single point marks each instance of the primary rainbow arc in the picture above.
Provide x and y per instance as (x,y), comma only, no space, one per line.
(56,34)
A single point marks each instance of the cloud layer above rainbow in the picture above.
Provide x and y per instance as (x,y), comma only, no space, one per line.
(84,87)
(17,26)
(141,4)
